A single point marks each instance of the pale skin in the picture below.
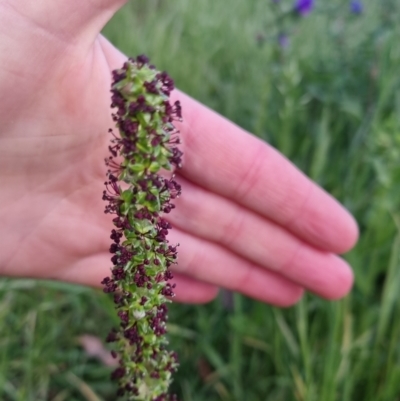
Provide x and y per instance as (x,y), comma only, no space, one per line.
(247,220)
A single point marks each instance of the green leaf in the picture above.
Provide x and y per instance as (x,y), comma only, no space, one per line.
(154,167)
(136,167)
(127,196)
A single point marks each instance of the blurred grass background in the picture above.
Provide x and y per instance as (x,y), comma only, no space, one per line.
(330,101)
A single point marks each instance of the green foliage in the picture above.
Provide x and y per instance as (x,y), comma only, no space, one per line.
(330,101)
(40,357)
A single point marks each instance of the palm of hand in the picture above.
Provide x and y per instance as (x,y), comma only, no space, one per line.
(55,114)
(53,144)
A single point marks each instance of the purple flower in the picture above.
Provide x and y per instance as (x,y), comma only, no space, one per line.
(304,7)
(356,7)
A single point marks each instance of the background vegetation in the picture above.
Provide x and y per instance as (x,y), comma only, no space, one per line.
(330,100)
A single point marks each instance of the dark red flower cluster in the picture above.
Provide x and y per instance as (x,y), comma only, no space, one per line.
(141,255)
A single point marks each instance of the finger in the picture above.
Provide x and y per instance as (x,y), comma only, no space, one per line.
(208,262)
(55,37)
(96,267)
(321,272)
(216,219)
(64,20)
(192,291)
(225,159)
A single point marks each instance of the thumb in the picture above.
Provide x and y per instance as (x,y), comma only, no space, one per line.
(67,20)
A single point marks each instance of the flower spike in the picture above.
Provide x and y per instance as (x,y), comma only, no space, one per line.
(141,256)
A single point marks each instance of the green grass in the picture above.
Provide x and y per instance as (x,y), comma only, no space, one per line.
(330,102)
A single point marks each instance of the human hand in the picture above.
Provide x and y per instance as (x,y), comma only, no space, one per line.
(247,220)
